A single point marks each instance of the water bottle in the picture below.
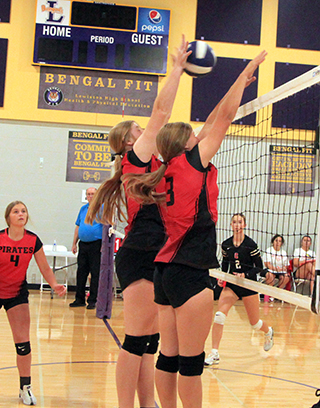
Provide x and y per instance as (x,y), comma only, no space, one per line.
(54,246)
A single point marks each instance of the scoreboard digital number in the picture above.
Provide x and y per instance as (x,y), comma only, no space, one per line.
(101,36)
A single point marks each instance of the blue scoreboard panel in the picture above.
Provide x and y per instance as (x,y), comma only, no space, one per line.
(103,36)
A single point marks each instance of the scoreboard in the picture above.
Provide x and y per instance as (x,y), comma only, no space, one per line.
(102,36)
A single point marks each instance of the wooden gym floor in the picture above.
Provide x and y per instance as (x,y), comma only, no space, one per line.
(75,354)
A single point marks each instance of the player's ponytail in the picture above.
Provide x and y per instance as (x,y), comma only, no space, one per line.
(110,194)
(171,142)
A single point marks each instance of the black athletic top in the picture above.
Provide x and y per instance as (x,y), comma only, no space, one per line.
(145,229)
(241,259)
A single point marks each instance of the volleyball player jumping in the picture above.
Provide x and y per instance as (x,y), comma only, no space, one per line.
(144,236)
(182,276)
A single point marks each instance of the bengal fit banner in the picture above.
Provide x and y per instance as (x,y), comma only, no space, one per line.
(89,157)
(292,170)
(97,91)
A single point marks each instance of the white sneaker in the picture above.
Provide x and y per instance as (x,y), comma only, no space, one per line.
(213,358)
(27,396)
(268,340)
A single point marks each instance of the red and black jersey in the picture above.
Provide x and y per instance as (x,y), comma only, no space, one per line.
(15,257)
(145,229)
(192,194)
(245,258)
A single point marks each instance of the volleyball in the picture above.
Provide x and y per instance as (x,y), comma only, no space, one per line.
(202,60)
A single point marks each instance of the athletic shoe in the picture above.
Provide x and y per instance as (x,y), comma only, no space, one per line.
(91,306)
(213,358)
(76,303)
(317,405)
(27,396)
(268,340)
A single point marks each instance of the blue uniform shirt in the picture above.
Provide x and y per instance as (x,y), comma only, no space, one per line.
(87,232)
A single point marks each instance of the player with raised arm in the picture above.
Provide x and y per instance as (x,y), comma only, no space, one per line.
(182,273)
(135,150)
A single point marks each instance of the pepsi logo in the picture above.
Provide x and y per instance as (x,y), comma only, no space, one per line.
(155,16)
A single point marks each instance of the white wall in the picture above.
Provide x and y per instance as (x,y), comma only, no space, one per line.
(53,203)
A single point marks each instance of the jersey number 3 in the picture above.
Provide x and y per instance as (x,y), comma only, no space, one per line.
(15,259)
(170,193)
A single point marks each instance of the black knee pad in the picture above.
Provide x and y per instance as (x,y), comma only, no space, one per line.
(153,344)
(191,366)
(136,344)
(23,349)
(168,364)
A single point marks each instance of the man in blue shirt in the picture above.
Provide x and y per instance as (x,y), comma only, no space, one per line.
(90,239)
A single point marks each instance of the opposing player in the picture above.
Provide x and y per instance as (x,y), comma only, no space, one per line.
(241,257)
(17,246)
(134,149)
(182,277)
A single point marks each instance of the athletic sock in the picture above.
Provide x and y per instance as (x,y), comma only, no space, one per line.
(24,381)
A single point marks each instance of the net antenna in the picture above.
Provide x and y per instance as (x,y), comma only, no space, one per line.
(269,170)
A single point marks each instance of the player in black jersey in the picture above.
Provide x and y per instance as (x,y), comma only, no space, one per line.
(241,257)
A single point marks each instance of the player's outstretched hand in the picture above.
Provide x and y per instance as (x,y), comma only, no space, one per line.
(253,65)
(179,60)
(60,290)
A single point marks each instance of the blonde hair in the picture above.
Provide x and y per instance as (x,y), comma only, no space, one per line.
(171,141)
(9,209)
(110,194)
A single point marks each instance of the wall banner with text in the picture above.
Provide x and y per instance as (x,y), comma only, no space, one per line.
(292,170)
(97,91)
(89,157)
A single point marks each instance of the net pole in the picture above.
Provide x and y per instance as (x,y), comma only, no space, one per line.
(315,301)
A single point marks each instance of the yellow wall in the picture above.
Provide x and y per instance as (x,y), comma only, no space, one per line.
(22,78)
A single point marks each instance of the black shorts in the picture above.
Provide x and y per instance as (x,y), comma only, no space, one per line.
(239,291)
(174,284)
(133,265)
(20,299)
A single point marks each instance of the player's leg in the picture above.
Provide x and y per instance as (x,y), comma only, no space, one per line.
(168,360)
(270,279)
(307,272)
(140,320)
(227,299)
(283,280)
(194,319)
(146,381)
(251,304)
(19,320)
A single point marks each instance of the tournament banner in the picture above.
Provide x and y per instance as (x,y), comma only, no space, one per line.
(97,91)
(292,170)
(89,157)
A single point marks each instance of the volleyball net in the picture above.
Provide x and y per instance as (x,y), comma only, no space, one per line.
(269,171)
